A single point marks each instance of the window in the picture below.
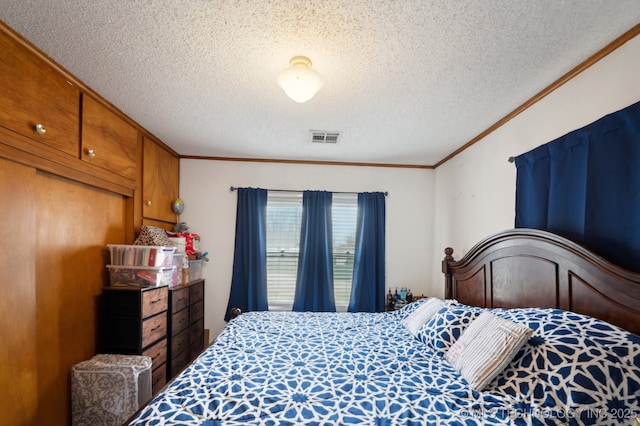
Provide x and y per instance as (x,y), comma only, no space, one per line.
(284,215)
(344,214)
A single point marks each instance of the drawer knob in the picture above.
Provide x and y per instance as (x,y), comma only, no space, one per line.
(148,203)
(91,153)
(40,129)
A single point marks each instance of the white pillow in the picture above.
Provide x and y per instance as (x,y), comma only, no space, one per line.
(414,321)
(486,347)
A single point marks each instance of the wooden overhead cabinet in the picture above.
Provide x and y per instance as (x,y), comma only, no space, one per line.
(49,120)
(37,101)
(108,140)
(160,181)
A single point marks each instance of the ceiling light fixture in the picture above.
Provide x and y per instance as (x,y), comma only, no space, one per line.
(300,82)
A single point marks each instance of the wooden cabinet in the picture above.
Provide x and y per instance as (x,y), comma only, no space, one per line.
(186,325)
(108,140)
(160,181)
(134,322)
(36,100)
(51,188)
(50,120)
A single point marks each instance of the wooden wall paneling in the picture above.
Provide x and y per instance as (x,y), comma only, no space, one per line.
(18,350)
(61,208)
(73,225)
(134,203)
(164,225)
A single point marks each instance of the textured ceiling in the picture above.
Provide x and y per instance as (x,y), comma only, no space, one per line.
(406,82)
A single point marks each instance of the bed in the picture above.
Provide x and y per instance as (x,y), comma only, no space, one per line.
(576,319)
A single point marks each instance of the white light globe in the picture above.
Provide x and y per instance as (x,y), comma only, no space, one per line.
(300,82)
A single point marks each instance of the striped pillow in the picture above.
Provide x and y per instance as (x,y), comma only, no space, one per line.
(486,347)
(425,311)
(407,310)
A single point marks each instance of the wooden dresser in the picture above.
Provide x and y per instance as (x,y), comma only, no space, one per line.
(134,322)
(185,325)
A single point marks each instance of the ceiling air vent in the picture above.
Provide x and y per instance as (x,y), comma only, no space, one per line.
(319,136)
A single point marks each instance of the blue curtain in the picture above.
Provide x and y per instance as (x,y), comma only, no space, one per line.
(586,186)
(367,289)
(314,284)
(249,280)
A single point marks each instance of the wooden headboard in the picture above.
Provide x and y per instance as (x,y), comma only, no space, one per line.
(533,268)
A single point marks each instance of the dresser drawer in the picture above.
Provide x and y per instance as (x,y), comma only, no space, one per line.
(196,330)
(179,299)
(158,378)
(158,353)
(154,301)
(179,362)
(197,292)
(154,328)
(196,347)
(180,342)
(179,321)
(196,311)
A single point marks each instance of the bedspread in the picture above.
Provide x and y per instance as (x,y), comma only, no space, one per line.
(289,368)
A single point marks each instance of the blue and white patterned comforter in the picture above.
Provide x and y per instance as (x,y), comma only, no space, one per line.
(289,368)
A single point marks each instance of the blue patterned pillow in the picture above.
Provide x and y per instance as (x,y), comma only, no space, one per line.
(579,360)
(445,327)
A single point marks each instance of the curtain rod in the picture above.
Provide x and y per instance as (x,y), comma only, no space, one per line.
(233,188)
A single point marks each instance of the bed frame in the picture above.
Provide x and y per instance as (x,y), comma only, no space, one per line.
(533,268)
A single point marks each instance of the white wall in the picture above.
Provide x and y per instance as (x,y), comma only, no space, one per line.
(467,198)
(210,211)
(475,191)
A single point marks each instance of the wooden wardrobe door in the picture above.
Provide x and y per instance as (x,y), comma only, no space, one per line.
(18,350)
(75,222)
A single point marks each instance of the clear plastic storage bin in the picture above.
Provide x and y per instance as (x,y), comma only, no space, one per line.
(195,269)
(133,255)
(141,276)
